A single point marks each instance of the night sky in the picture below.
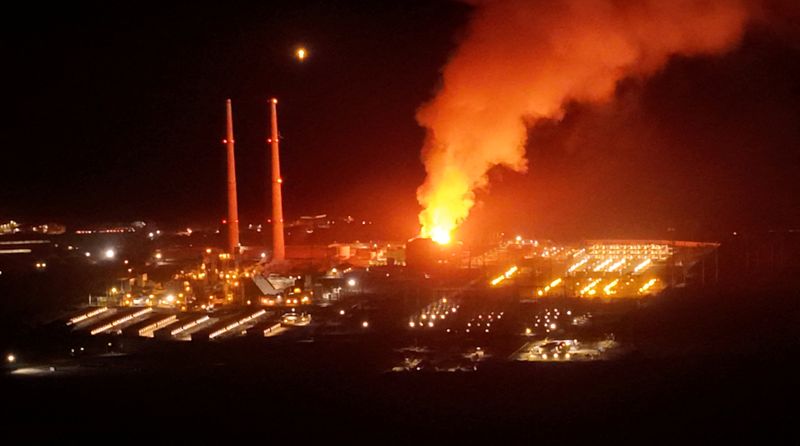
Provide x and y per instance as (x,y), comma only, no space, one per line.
(117,114)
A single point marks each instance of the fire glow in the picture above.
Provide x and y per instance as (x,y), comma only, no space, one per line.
(522,61)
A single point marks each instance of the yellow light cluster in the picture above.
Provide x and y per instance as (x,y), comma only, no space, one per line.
(650,250)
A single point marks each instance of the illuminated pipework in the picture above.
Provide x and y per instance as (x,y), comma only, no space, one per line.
(616,265)
(647,285)
(552,285)
(578,265)
(88,315)
(506,275)
(233,325)
(609,289)
(189,326)
(640,267)
(121,321)
(148,330)
(274,330)
(603,264)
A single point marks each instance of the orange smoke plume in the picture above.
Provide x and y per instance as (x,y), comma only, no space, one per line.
(524,60)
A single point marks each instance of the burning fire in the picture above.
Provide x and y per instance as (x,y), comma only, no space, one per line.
(524,60)
(440,235)
(446,206)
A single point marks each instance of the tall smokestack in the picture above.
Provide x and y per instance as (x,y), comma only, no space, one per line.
(233,209)
(278,247)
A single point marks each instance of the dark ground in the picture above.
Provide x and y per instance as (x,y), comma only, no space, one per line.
(704,367)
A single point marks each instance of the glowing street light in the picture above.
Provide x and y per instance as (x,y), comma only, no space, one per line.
(11,358)
(301,54)
(110,253)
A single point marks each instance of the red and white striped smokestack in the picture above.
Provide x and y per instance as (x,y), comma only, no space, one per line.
(278,246)
(233,209)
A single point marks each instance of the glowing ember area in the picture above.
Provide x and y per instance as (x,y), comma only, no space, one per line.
(523,61)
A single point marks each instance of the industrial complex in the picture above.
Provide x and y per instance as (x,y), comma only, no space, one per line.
(520,298)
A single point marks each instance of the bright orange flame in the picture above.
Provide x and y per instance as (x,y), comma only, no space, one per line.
(440,235)
(523,61)
(447,199)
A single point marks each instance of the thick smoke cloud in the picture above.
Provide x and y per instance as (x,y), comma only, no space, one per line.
(523,60)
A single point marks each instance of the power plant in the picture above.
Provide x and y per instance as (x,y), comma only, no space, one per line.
(434,288)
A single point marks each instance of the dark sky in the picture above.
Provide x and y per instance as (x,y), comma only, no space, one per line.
(117,114)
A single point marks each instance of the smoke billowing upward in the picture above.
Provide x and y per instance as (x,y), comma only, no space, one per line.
(524,60)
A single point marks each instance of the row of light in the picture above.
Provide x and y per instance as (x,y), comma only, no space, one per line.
(85,316)
(189,326)
(577,265)
(651,250)
(121,321)
(233,325)
(640,267)
(603,265)
(555,356)
(273,330)
(590,289)
(148,330)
